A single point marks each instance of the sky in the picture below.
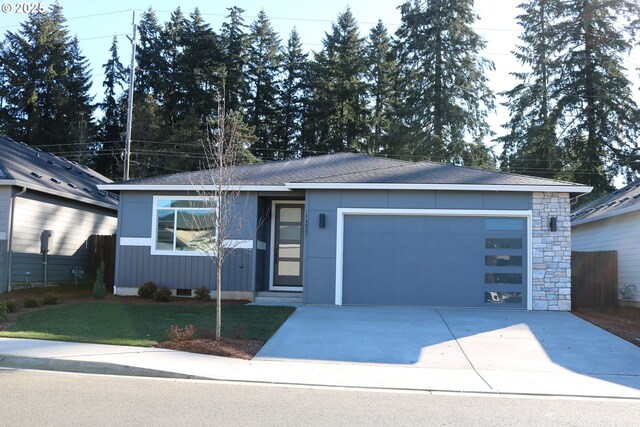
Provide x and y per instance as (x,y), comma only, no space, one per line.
(95,23)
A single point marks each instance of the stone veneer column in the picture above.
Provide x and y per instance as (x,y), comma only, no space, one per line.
(551,252)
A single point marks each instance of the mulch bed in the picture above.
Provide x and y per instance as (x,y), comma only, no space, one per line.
(621,321)
(237,348)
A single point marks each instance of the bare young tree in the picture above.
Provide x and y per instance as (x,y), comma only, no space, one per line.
(219,192)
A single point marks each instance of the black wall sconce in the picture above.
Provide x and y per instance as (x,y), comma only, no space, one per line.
(553,223)
(322,220)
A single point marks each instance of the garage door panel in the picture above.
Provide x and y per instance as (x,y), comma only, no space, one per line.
(436,261)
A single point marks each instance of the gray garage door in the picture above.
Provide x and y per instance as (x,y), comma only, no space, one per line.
(435,261)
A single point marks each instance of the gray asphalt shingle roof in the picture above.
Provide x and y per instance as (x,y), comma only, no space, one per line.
(356,169)
(620,201)
(36,169)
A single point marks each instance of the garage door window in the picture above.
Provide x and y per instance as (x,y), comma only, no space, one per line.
(495,297)
(503,260)
(503,243)
(503,278)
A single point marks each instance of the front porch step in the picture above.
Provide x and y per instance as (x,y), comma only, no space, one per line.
(278,298)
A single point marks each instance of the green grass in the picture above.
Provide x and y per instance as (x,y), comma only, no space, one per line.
(141,325)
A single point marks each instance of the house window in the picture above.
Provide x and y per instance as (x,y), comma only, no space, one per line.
(183,225)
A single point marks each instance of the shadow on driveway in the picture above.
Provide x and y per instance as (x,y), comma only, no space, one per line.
(496,342)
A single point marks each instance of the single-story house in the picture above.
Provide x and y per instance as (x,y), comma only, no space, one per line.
(355,229)
(612,223)
(48,201)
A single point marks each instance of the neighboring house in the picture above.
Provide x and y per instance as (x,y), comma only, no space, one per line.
(40,192)
(612,223)
(353,229)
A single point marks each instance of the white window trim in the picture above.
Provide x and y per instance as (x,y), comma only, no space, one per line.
(272,247)
(342,212)
(154,227)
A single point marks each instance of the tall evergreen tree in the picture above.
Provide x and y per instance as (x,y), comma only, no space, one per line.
(149,62)
(444,94)
(172,94)
(111,127)
(339,90)
(381,75)
(599,124)
(263,73)
(292,93)
(234,42)
(202,59)
(46,86)
(531,146)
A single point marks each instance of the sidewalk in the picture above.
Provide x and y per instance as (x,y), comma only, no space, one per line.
(138,361)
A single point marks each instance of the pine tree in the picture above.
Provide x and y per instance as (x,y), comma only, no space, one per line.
(202,59)
(531,146)
(444,98)
(292,97)
(263,70)
(381,75)
(46,86)
(149,62)
(112,123)
(172,93)
(338,116)
(599,124)
(234,42)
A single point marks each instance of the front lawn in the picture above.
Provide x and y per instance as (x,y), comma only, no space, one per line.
(143,324)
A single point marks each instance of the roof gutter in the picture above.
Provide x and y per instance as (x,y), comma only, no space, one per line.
(10,240)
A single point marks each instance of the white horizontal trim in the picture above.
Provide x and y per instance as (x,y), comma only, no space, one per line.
(237,244)
(3,235)
(342,212)
(448,187)
(630,209)
(189,187)
(136,241)
(580,189)
(432,212)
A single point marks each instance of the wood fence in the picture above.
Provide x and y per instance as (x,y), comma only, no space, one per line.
(594,279)
(103,249)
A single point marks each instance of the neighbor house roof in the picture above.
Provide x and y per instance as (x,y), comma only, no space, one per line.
(34,169)
(619,202)
(354,171)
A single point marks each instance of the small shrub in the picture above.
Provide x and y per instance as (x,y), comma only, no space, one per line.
(31,303)
(99,288)
(162,295)
(3,311)
(50,298)
(204,332)
(147,290)
(181,334)
(238,332)
(11,306)
(202,294)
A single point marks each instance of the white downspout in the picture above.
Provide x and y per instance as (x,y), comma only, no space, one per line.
(10,248)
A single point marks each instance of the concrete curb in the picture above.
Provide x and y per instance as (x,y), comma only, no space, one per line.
(86,367)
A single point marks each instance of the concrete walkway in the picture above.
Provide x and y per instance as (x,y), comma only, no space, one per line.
(494,354)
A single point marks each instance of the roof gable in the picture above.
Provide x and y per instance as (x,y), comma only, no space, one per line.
(38,170)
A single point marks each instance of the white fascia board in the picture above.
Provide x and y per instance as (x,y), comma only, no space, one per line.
(630,209)
(449,187)
(58,193)
(189,187)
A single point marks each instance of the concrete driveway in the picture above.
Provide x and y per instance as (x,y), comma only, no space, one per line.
(502,347)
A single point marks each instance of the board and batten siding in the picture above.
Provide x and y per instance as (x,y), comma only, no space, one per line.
(620,233)
(135,264)
(320,246)
(5,209)
(72,223)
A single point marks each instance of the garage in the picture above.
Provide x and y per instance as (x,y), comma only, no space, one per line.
(433,259)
